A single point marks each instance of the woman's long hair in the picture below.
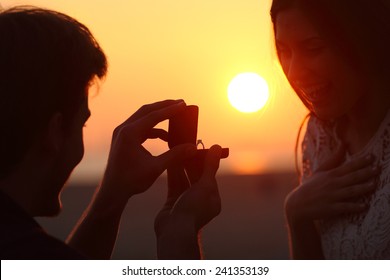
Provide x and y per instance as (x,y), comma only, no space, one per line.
(359,30)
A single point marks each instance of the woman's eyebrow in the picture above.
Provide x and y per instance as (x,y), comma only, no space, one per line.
(312,39)
(278,42)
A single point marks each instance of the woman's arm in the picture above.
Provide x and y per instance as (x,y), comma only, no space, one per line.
(304,239)
(331,191)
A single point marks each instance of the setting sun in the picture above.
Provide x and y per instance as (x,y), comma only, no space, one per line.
(193,64)
(248,92)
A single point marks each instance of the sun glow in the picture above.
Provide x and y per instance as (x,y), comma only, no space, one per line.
(248,92)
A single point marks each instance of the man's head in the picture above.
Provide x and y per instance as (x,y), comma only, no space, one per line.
(47,63)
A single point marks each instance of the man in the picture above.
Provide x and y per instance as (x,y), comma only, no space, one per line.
(48,61)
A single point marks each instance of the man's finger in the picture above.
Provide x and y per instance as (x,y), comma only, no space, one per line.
(177,183)
(140,129)
(158,133)
(176,156)
(148,108)
(212,160)
(150,120)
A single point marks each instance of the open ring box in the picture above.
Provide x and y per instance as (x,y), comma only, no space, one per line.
(183,128)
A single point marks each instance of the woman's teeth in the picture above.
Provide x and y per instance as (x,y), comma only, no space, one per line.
(315,93)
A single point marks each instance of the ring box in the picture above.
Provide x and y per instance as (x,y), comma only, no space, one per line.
(183,128)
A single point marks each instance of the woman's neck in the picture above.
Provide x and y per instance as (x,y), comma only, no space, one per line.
(358,126)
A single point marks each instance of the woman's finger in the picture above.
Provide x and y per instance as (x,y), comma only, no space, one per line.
(355,191)
(342,208)
(353,165)
(357,177)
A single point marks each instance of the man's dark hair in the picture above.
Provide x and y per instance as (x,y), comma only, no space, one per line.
(47,62)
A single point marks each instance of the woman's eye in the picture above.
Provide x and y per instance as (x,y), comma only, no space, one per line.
(314,49)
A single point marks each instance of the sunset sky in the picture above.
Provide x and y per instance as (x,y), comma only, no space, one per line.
(170,49)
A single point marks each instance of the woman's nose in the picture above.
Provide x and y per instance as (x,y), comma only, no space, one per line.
(296,69)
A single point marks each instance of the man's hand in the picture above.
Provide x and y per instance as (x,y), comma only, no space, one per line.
(131,169)
(189,207)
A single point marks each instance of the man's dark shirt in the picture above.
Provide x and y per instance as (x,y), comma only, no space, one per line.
(22,238)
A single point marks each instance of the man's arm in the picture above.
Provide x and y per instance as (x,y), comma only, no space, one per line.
(179,240)
(130,170)
(95,234)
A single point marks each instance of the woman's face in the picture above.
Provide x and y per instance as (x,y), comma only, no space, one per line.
(314,67)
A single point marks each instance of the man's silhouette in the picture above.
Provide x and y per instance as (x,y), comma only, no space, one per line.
(48,61)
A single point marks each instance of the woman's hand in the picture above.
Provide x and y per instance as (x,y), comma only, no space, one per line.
(334,189)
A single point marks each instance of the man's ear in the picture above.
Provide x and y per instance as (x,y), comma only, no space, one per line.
(53,137)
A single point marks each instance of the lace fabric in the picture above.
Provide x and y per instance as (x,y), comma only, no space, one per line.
(358,236)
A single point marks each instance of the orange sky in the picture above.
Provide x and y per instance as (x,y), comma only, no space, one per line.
(187,49)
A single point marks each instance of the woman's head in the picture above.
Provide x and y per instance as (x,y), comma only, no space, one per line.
(332,51)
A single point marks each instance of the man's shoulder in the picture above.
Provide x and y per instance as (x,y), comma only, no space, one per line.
(21,237)
(35,244)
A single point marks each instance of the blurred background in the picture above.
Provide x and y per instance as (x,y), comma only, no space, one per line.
(191,50)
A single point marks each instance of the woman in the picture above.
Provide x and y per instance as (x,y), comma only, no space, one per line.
(335,55)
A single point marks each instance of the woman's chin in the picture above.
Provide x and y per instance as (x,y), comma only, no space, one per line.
(326,114)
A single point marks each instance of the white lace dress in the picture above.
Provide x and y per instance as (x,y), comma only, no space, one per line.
(362,236)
